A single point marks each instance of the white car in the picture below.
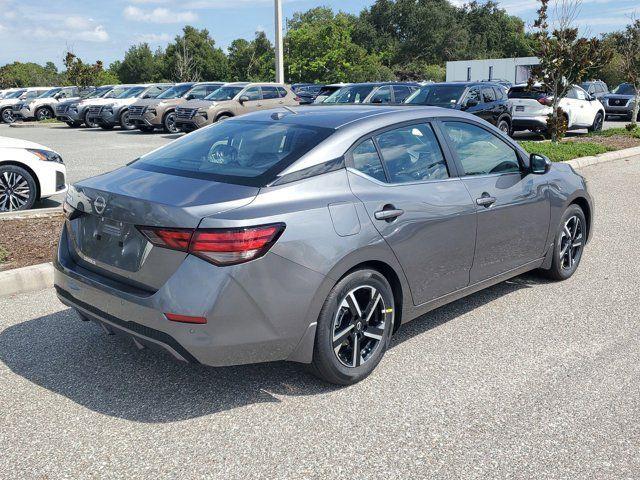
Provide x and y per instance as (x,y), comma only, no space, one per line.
(43,106)
(17,97)
(531,107)
(29,172)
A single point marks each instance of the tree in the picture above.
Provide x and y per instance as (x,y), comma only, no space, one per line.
(565,58)
(631,63)
(140,65)
(252,60)
(84,74)
(207,60)
(319,48)
(186,69)
(18,74)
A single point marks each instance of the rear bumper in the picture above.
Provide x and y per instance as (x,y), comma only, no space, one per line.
(529,123)
(251,317)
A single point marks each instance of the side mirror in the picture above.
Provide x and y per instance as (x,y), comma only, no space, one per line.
(244,98)
(539,164)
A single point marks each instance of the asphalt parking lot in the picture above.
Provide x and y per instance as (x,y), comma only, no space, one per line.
(528,379)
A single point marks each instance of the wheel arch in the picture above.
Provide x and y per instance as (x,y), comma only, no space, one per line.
(226,112)
(28,170)
(167,112)
(583,203)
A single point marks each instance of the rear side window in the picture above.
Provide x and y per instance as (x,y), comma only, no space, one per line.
(412,154)
(235,151)
(479,151)
(366,160)
(382,95)
(282,92)
(401,93)
(499,93)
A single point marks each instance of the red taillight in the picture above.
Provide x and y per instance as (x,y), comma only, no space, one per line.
(236,245)
(221,246)
(546,101)
(297,99)
(173,238)
(174,317)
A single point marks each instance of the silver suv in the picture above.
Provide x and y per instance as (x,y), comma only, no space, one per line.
(18,97)
(116,112)
(43,106)
(73,111)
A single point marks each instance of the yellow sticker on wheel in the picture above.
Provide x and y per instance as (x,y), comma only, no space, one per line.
(388,310)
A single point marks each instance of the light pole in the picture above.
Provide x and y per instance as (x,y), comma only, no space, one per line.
(279,54)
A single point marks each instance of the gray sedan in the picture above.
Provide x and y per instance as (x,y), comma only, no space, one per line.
(311,234)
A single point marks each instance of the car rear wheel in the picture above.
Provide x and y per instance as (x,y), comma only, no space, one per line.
(503,126)
(170,123)
(125,123)
(597,123)
(17,189)
(44,113)
(7,115)
(354,328)
(569,244)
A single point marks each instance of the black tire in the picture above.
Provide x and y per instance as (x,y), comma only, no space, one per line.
(597,123)
(562,267)
(89,123)
(74,124)
(169,123)
(504,126)
(372,337)
(44,113)
(7,115)
(223,117)
(125,124)
(18,190)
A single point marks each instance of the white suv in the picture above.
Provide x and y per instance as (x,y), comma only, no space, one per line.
(531,107)
(17,97)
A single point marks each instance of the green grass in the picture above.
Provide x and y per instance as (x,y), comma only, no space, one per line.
(3,255)
(561,152)
(635,133)
(50,120)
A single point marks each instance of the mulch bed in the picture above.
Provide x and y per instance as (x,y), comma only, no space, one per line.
(616,142)
(29,241)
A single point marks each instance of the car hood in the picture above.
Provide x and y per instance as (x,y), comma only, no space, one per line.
(6,142)
(10,101)
(98,101)
(154,102)
(199,104)
(119,102)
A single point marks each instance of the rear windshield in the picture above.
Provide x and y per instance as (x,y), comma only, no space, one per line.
(235,151)
(532,93)
(437,95)
(624,89)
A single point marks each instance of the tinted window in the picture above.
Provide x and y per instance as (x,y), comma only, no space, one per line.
(237,151)
(131,92)
(224,93)
(474,94)
(198,92)
(270,93)
(366,159)
(412,154)
(353,94)
(401,93)
(437,95)
(481,152)
(500,93)
(175,91)
(253,93)
(488,95)
(533,93)
(382,95)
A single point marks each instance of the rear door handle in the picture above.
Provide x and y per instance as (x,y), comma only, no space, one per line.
(388,214)
(486,200)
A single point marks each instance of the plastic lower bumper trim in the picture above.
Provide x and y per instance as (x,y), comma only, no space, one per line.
(142,330)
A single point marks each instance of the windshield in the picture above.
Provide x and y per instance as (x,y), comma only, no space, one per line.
(175,91)
(624,89)
(49,93)
(235,151)
(437,95)
(96,93)
(224,93)
(353,94)
(15,94)
(131,92)
(116,92)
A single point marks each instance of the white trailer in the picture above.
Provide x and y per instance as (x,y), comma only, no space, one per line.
(515,70)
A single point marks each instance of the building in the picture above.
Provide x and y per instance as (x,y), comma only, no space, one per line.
(515,70)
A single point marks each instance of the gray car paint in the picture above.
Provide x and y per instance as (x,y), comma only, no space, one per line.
(267,309)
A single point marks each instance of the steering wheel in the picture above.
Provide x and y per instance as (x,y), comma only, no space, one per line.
(223,154)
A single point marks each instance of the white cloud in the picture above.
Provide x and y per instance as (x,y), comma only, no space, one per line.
(77,22)
(93,34)
(158,15)
(154,37)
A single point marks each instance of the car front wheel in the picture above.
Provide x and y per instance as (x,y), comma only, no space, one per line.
(569,244)
(354,328)
(170,123)
(125,122)
(44,113)
(17,189)
(597,123)
(7,115)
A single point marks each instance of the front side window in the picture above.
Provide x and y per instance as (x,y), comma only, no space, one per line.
(253,93)
(238,151)
(400,92)
(366,160)
(412,153)
(352,94)
(49,93)
(488,95)
(474,94)
(479,151)
(382,95)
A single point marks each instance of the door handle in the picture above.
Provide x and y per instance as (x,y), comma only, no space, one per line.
(388,214)
(486,200)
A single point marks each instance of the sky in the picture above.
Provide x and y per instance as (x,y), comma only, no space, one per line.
(42,30)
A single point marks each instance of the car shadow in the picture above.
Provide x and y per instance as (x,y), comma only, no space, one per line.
(107,374)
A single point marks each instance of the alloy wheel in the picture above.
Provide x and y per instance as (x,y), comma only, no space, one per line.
(43,114)
(359,326)
(7,116)
(598,123)
(170,123)
(14,191)
(571,243)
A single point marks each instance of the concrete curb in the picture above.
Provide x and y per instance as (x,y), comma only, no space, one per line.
(35,125)
(39,277)
(26,214)
(26,279)
(604,157)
